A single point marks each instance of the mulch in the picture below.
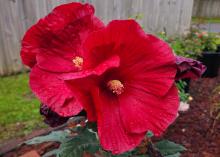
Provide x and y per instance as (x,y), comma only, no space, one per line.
(194,129)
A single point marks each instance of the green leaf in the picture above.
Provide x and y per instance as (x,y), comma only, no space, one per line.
(174,155)
(86,141)
(124,155)
(169,148)
(71,146)
(57,136)
(132,153)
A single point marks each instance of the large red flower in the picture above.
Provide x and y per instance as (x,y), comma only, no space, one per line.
(53,46)
(126,84)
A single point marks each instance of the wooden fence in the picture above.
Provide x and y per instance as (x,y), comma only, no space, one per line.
(206,8)
(16,16)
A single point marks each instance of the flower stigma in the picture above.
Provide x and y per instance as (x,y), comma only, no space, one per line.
(78,62)
(115,86)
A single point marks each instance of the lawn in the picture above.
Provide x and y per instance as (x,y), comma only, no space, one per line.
(205,20)
(19,109)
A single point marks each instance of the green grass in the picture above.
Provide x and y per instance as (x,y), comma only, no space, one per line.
(218,41)
(205,20)
(19,109)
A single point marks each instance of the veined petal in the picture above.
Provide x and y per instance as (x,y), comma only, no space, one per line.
(81,90)
(111,130)
(111,62)
(142,112)
(53,92)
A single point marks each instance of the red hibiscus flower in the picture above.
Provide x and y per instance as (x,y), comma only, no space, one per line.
(126,84)
(53,46)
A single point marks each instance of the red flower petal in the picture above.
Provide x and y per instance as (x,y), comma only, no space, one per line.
(111,131)
(109,41)
(53,92)
(153,71)
(81,88)
(141,111)
(144,59)
(62,33)
(54,63)
(112,62)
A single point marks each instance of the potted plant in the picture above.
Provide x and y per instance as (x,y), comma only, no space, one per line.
(210,55)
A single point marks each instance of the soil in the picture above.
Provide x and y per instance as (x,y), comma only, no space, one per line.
(195,129)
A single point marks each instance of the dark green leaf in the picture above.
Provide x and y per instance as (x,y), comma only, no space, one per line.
(174,155)
(57,136)
(108,154)
(169,148)
(86,141)
(126,154)
(71,146)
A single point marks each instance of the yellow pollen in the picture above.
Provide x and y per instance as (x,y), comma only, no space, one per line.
(78,62)
(115,86)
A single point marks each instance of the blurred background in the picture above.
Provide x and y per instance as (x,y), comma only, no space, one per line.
(191,27)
